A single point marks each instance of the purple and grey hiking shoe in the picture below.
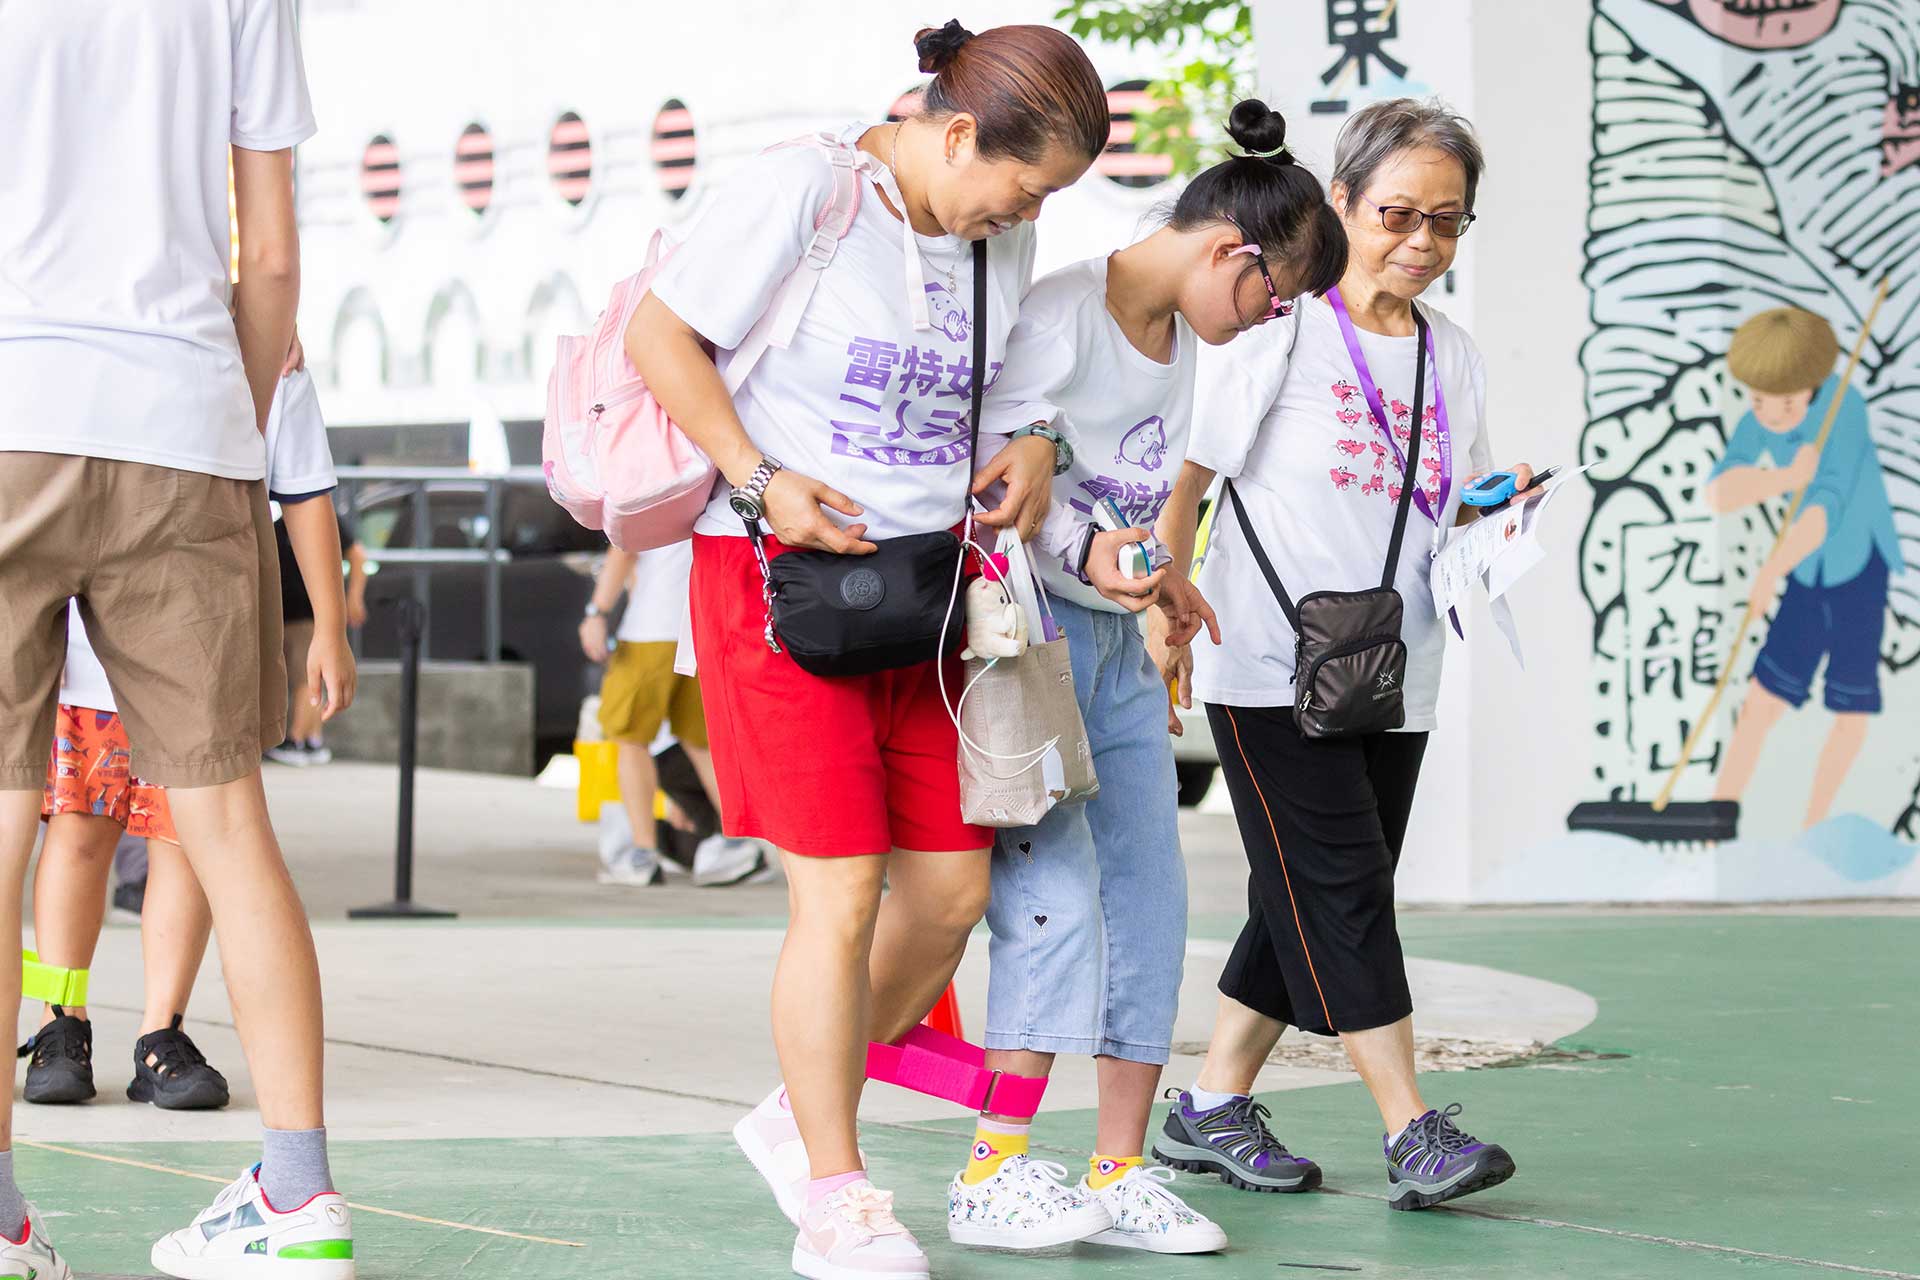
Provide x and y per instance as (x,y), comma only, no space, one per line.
(1432,1161)
(1233,1141)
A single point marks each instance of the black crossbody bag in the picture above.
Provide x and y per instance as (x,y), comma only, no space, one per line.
(854,615)
(1350,664)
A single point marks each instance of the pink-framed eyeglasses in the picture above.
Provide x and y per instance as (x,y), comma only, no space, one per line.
(1280,306)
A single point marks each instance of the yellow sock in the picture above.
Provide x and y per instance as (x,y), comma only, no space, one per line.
(1104,1171)
(993,1145)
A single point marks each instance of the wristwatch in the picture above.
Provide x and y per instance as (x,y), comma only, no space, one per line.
(1062,450)
(594,610)
(749,501)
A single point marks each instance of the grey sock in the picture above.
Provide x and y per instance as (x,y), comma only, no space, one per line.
(13,1205)
(293,1166)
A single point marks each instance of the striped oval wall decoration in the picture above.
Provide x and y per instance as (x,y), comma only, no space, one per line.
(674,147)
(906,104)
(473,167)
(570,158)
(1120,162)
(380,177)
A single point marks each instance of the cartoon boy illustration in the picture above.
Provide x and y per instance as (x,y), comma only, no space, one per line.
(1836,557)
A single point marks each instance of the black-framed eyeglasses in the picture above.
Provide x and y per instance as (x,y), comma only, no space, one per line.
(1403,221)
(1277,305)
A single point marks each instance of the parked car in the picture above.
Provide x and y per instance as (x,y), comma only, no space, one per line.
(544,588)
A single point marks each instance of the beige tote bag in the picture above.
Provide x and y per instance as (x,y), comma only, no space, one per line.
(1023,745)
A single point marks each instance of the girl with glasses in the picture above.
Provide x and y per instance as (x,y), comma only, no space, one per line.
(1089,907)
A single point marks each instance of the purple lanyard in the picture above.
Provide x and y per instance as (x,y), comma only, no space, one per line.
(1379,408)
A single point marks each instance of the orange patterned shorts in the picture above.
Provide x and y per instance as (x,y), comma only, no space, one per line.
(89,774)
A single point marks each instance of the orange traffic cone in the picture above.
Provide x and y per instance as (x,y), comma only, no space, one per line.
(945,1015)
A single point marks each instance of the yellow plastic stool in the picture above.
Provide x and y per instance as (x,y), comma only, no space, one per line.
(600,780)
(599,777)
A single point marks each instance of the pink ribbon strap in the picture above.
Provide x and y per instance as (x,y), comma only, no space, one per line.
(931,1062)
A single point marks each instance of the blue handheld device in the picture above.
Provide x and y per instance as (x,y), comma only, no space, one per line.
(1134,559)
(1490,490)
(1497,488)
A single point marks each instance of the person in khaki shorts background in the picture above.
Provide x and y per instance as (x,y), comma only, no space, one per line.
(639,694)
(132,401)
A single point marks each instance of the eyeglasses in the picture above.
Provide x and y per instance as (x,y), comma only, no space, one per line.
(1403,221)
(1277,305)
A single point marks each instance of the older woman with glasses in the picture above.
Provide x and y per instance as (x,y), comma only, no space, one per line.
(1340,430)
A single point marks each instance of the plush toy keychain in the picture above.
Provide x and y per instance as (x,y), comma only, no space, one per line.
(996,624)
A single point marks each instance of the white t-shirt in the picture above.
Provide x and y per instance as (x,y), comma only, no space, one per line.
(299,465)
(1125,414)
(1293,433)
(860,400)
(657,595)
(115,335)
(299,459)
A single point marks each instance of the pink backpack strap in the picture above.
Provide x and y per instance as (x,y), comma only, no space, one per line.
(934,1063)
(831,222)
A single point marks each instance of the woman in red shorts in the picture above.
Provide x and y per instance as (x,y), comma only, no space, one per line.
(853,433)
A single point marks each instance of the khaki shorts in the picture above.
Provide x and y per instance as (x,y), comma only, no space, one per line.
(178,580)
(641,692)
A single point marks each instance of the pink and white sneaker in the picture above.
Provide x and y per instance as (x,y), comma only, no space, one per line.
(853,1235)
(768,1136)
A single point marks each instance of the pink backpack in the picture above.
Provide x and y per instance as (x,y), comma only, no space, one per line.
(612,456)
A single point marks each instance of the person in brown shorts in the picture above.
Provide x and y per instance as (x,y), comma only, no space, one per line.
(134,388)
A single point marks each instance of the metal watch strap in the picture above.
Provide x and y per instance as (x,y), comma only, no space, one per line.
(755,490)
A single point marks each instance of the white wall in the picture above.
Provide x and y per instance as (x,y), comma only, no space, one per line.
(1746,160)
(751,72)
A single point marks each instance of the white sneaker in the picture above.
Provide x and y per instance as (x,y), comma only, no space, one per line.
(292,753)
(853,1235)
(632,866)
(32,1255)
(768,1136)
(1146,1215)
(318,752)
(724,860)
(242,1237)
(1024,1205)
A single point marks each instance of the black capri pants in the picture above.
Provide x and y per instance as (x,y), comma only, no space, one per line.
(1322,823)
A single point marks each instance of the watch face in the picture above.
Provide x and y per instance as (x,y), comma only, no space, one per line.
(744,506)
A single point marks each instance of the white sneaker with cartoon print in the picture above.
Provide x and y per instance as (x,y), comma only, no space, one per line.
(1026,1204)
(1146,1215)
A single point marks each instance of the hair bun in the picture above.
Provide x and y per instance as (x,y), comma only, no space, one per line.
(1259,131)
(939,46)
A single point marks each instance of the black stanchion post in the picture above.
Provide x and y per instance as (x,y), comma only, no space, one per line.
(413,618)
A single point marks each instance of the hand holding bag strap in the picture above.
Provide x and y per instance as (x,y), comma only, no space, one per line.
(1408,481)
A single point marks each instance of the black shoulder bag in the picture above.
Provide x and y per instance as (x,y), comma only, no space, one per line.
(1349,663)
(854,615)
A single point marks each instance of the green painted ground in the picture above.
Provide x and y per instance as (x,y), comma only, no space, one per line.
(1767,1108)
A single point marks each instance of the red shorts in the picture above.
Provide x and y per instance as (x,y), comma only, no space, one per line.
(824,766)
(89,774)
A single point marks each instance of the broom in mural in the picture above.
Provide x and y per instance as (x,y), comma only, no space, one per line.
(1711,821)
